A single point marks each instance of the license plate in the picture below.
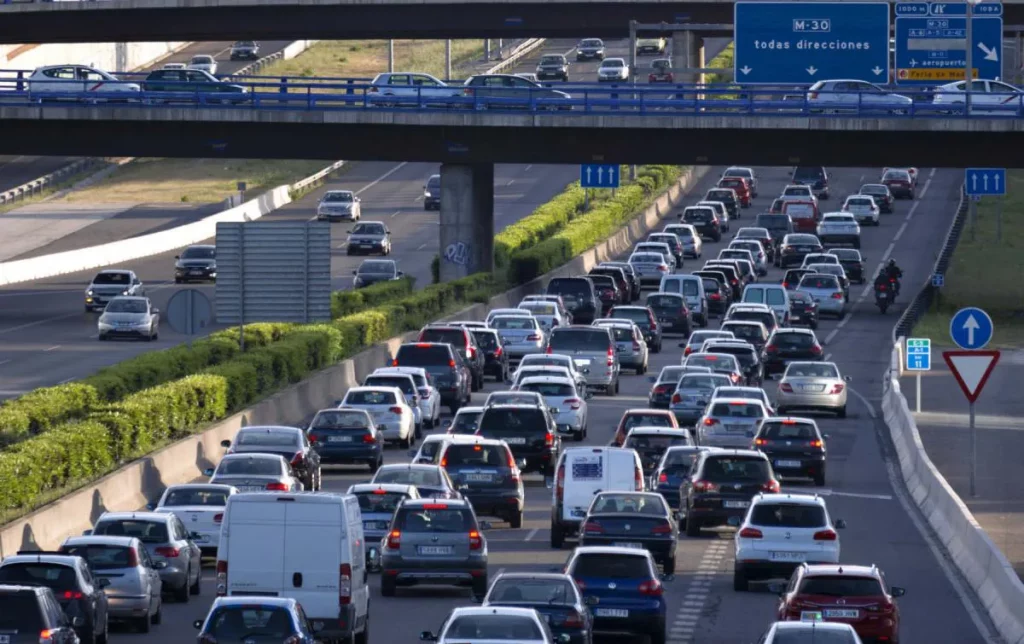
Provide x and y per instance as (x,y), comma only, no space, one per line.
(251,488)
(611,612)
(736,504)
(516,440)
(813,388)
(375,525)
(365,243)
(435,550)
(787,556)
(196,271)
(483,478)
(339,439)
(627,544)
(787,463)
(842,613)
(735,429)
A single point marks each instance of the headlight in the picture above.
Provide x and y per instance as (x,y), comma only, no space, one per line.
(426,193)
(178,265)
(89,292)
(124,292)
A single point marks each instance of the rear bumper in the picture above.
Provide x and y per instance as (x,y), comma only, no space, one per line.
(406,573)
(808,401)
(495,504)
(342,626)
(128,607)
(350,455)
(639,621)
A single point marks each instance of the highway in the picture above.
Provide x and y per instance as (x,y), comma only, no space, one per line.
(46,337)
(882,529)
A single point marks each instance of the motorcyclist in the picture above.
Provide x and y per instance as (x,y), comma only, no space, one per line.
(882,280)
(893,272)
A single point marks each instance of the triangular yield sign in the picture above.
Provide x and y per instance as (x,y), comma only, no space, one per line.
(971,369)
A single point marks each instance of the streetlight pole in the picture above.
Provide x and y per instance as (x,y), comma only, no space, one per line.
(969,71)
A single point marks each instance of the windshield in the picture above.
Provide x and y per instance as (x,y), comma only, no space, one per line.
(512,398)
(612,63)
(264,438)
(487,340)
(659,442)
(379,501)
(838,219)
(408,476)
(591,42)
(144,531)
(126,306)
(538,308)
(456,337)
(819,281)
(377,268)
(199,60)
(440,519)
(647,258)
(640,316)
(745,331)
(338,197)
(341,419)
(551,60)
(642,419)
(59,577)
(874,190)
(250,623)
(20,611)
(511,628)
(808,370)
(195,496)
(808,174)
(503,422)
(370,397)
(119,279)
(249,466)
(896,175)
(104,557)
(580,340)
(773,221)
(368,229)
(198,252)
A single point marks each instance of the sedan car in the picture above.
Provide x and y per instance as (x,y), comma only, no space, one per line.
(730,422)
(813,386)
(671,313)
(863,207)
(693,245)
(553,66)
(899,182)
(849,95)
(196,264)
(795,247)
(590,49)
(242,619)
(632,520)
(661,71)
(394,417)
(111,283)
(827,292)
(346,436)
(374,271)
(129,317)
(203,63)
(630,346)
(839,228)
(201,507)
(521,335)
(291,443)
(546,313)
(47,82)
(428,395)
(555,597)
(987,97)
(508,91)
(880,193)
(492,624)
(650,267)
(613,70)
(255,473)
(693,391)
(369,237)
(245,50)
(339,205)
(852,262)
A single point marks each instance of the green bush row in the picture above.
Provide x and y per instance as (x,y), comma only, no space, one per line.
(347,302)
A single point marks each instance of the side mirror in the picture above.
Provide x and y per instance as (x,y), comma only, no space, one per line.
(652,379)
(840,524)
(427,636)
(86,533)
(777,588)
(225,443)
(159,565)
(484,525)
(848,378)
(825,436)
(590,600)
(103,582)
(564,638)
(197,624)
(208,471)
(896,591)
(151,506)
(355,272)
(177,257)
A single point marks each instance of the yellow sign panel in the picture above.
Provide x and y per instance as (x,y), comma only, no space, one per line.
(933,74)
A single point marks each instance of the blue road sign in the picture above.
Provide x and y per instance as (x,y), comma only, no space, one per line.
(941,9)
(938,280)
(919,354)
(971,328)
(932,50)
(804,42)
(985,181)
(599,175)
(911,8)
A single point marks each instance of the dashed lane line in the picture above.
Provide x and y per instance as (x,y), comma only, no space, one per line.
(684,626)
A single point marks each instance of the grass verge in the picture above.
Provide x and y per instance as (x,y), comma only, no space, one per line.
(986,271)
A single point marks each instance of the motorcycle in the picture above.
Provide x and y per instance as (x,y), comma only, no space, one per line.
(884,296)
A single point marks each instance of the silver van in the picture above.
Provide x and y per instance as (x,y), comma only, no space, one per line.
(691,287)
(593,344)
(774,296)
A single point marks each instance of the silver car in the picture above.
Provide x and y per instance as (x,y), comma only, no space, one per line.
(166,540)
(698,338)
(249,472)
(744,393)
(814,386)
(630,346)
(756,251)
(660,248)
(110,284)
(521,335)
(854,96)
(377,505)
(547,313)
(864,208)
(369,237)
(649,268)
(514,398)
(693,391)
(578,369)
(129,317)
(201,507)
(567,405)
(203,63)
(134,590)
(693,245)
(339,205)
(594,345)
(731,422)
(827,292)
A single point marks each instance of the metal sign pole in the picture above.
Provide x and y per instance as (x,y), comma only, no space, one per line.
(969,71)
(189,328)
(241,325)
(974,452)
(918,396)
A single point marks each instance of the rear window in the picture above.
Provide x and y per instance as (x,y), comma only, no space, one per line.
(370,398)
(611,566)
(466,422)
(640,316)
(841,586)
(701,214)
(340,419)
(532,591)
(196,496)
(440,520)
(405,384)
(408,476)
(455,337)
(699,381)
(765,318)
(776,296)
(813,173)
(59,578)
(103,557)
(690,288)
(144,531)
(809,370)
(655,441)
(621,334)
(484,455)
(576,287)
(772,221)
(505,422)
(20,612)
(487,340)
(250,466)
(737,410)
(549,389)
(711,285)
(780,430)
(755,295)
(724,196)
(423,356)
(664,302)
(513,323)
(678,461)
(671,374)
(744,355)
(242,623)
(267,439)
(793,340)
(735,468)
(580,340)
(646,420)
(512,398)
(799,210)
(510,628)
(379,501)
(538,308)
(819,281)
(746,331)
(788,515)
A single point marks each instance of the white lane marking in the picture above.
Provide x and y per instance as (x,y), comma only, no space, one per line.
(692,605)
(3,362)
(911,510)
(531,534)
(899,233)
(830,492)
(510,182)
(832,334)
(396,213)
(13,392)
(527,168)
(828,356)
(53,348)
(422,246)
(66,380)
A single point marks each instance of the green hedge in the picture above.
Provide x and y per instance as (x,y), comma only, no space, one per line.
(348,302)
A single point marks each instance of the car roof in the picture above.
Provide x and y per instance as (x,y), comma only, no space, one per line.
(739,401)
(785,497)
(839,569)
(399,488)
(409,466)
(375,388)
(267,429)
(252,456)
(610,550)
(723,451)
(201,486)
(796,419)
(19,588)
(559,576)
(48,558)
(102,539)
(838,627)
(650,495)
(455,503)
(283,602)
(647,411)
(401,370)
(159,517)
(652,431)
(489,610)
(739,388)
(530,380)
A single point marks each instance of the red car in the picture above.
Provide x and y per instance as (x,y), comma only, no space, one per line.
(854,595)
(740,186)
(644,417)
(805,215)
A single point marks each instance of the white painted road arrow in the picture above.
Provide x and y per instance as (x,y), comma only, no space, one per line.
(990,54)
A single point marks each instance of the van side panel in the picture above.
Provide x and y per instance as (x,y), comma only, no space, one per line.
(622,473)
(356,554)
(252,545)
(586,474)
(313,543)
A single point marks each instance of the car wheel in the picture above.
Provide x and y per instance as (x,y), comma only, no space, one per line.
(739,581)
(580,435)
(181,594)
(364,636)
(158,616)
(375,465)
(669,565)
(104,636)
(479,590)
(841,412)
(516,520)
(692,527)
(387,586)
(194,588)
(557,536)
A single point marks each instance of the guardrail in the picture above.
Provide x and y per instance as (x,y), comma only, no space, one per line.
(36,186)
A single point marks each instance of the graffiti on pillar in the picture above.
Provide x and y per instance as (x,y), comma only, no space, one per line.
(457,253)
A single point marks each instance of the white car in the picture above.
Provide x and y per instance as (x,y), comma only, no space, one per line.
(820,258)
(200,506)
(129,316)
(579,368)
(567,404)
(54,79)
(430,397)
(204,63)
(693,245)
(987,96)
(496,312)
(657,247)
(780,532)
(393,416)
(536,371)
(839,228)
(613,69)
(492,624)
(339,205)
(753,393)
(798,192)
(410,88)
(863,208)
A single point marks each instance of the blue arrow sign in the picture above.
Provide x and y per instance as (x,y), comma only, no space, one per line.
(985,181)
(804,42)
(933,50)
(599,175)
(919,354)
(971,328)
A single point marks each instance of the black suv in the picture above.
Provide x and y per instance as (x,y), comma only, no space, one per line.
(553,66)
(704,221)
(28,611)
(487,475)
(631,276)
(530,433)
(814,176)
(607,291)
(495,358)
(795,446)
(451,375)
(852,262)
(579,296)
(789,345)
(462,341)
(728,197)
(720,487)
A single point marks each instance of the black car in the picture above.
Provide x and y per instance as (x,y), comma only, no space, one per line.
(640,518)
(346,436)
(803,309)
(767,318)
(797,246)
(674,467)
(671,312)
(726,196)
(607,291)
(196,264)
(621,281)
(79,595)
(751,331)
(852,262)
(794,446)
(186,86)
(27,611)
(792,278)
(553,66)
(778,226)
(720,487)
(718,295)
(663,386)
(746,354)
(529,431)
(650,444)
(463,341)
(643,317)
(631,276)
(291,443)
(790,345)
(451,374)
(487,475)
(704,221)
(432,193)
(579,296)
(814,176)
(879,192)
(674,244)
(496,360)
(554,595)
(732,274)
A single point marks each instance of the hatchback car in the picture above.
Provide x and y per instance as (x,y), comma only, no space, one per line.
(642,417)
(704,221)
(291,443)
(377,505)
(196,264)
(567,405)
(555,597)
(487,475)
(530,432)
(593,349)
(852,262)
(728,197)
(632,520)
(731,422)
(374,271)
(435,542)
(346,436)
(723,364)
(675,465)
(864,208)
(495,623)
(577,369)
(693,245)
(428,398)
(671,313)
(651,442)
(899,183)
(31,610)
(692,395)
(720,487)
(394,417)
(255,473)
(201,507)
(813,386)
(664,385)
(880,193)
(432,481)
(521,335)
(129,317)
(753,332)
(827,291)
(746,354)
(698,338)
(644,318)
(795,446)
(244,620)
(578,295)
(803,309)
(790,345)
(452,376)
(630,346)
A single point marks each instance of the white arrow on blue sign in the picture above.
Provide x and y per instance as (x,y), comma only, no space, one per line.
(599,175)
(985,181)
(971,328)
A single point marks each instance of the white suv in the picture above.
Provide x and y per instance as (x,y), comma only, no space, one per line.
(780,532)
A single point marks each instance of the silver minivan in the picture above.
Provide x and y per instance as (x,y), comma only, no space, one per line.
(774,296)
(691,287)
(591,343)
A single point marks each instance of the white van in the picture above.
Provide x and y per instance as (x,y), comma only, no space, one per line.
(691,287)
(309,547)
(582,472)
(774,296)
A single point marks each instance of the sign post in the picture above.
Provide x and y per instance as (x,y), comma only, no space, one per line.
(919,358)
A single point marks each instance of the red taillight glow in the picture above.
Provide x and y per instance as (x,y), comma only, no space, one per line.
(771,486)
(475,540)
(394,540)
(277,487)
(574,403)
(435,506)
(786,387)
(369,438)
(549,351)
(394,363)
(533,338)
(705,486)
(222,578)
(395,410)
(560,481)
(817,443)
(636,346)
(218,518)
(760,441)
(497,352)
(837,296)
(297,459)
(710,421)
(662,528)
(837,389)
(825,535)
(593,527)
(816,350)
(663,268)
(771,348)
(167,551)
(663,478)
(715,296)
(451,363)
(345,584)
(549,439)
(687,351)
(71,594)
(750,533)
(573,619)
(651,588)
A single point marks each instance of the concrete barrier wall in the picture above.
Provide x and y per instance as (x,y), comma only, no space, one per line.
(978,559)
(107,56)
(142,481)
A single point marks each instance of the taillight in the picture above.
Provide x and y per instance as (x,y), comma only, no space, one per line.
(687,351)
(345,584)
(662,389)
(816,350)
(475,540)
(837,296)
(593,527)
(560,481)
(651,78)
(549,439)
(71,594)
(451,363)
(676,398)
(549,350)
(663,478)
(533,338)
(750,533)
(636,346)
(812,95)
(394,540)
(369,438)
(395,410)
(133,558)
(467,92)
(771,486)
(663,268)
(394,363)
(314,438)
(837,389)
(611,356)
(771,348)
(714,296)
(817,444)
(786,387)
(735,377)
(825,535)
(638,479)
(472,353)
(297,459)
(444,461)
(662,528)
(45,636)
(222,578)
(574,403)
(651,588)
(708,422)
(277,487)
(218,518)
(705,486)
(574,619)
(760,441)
(497,352)
(167,551)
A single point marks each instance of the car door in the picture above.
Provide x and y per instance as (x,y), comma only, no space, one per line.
(186,543)
(1000,94)
(151,583)
(97,596)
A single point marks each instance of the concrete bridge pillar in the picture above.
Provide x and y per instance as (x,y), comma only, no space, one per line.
(467,219)
(688,52)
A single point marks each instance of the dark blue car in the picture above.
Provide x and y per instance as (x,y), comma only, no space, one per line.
(554,595)
(672,470)
(346,437)
(628,597)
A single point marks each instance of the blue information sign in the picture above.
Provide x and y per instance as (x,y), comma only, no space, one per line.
(971,328)
(938,280)
(919,354)
(932,50)
(911,8)
(804,42)
(985,181)
(599,175)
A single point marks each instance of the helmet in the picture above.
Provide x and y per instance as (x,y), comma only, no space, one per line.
(892,262)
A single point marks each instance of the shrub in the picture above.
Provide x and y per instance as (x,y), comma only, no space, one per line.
(348,302)
(39,410)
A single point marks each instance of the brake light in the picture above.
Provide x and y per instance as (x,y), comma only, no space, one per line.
(651,588)
(705,486)
(580,584)
(423,345)
(786,387)
(751,533)
(222,578)
(218,518)
(651,78)
(771,486)
(687,351)
(345,584)
(760,441)
(826,535)
(734,281)
(837,389)
(168,551)
(735,377)
(591,526)
(444,461)
(662,528)
(497,352)
(560,481)
(277,487)
(837,296)
(472,353)
(395,410)
(467,92)
(663,268)
(654,325)
(636,346)
(771,348)
(715,296)
(297,459)
(394,540)
(394,363)
(549,439)
(574,619)
(817,443)
(45,636)
(533,338)
(475,540)
(881,287)
(710,421)
(72,594)
(611,356)
(663,478)
(549,351)
(574,403)
(369,438)
(451,363)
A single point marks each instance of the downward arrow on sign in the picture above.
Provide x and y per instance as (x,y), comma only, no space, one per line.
(812,70)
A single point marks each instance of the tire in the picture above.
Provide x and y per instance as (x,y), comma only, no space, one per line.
(181,594)
(658,638)
(516,520)
(375,465)
(739,581)
(579,436)
(408,441)
(387,586)
(642,369)
(557,536)
(692,527)
(143,624)
(158,616)
(841,412)
(657,348)
(819,479)
(194,589)
(669,565)
(479,590)
(616,385)
(609,390)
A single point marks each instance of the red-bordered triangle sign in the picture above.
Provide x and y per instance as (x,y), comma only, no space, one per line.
(971,369)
